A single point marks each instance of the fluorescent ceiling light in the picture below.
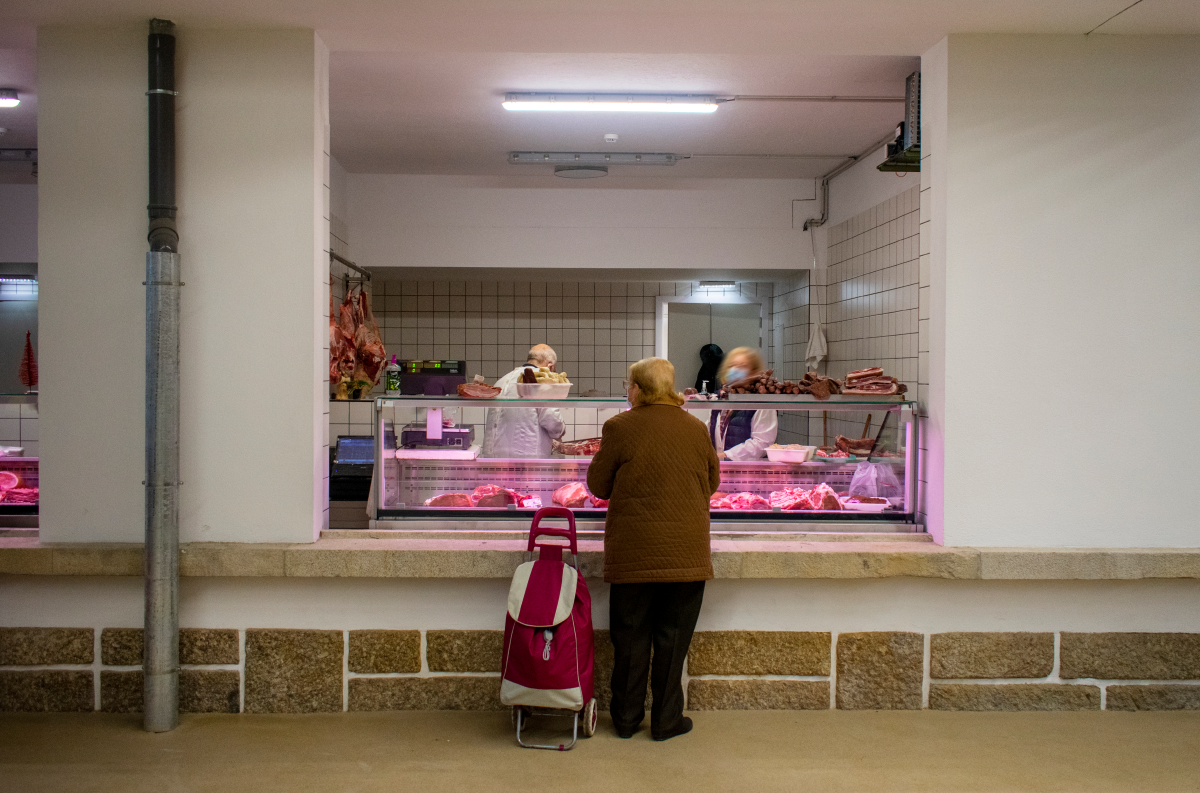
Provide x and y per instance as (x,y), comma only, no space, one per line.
(717,284)
(583,158)
(614,103)
(9,98)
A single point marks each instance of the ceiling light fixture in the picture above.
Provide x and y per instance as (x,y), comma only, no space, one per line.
(601,158)
(9,98)
(617,103)
(580,172)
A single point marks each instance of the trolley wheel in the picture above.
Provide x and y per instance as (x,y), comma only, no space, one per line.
(590,714)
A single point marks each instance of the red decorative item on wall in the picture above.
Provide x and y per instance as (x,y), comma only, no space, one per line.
(28,373)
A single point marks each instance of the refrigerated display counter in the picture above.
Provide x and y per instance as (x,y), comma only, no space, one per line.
(428,466)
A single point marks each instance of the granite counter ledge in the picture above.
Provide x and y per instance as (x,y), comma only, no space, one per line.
(732,559)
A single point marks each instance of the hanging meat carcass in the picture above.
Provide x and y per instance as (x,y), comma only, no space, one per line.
(341,352)
(368,345)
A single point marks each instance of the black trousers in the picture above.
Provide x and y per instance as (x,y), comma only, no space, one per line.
(641,616)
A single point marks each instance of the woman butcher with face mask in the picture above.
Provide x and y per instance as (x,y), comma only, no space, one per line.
(742,435)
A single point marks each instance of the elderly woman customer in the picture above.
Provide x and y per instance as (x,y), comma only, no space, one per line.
(657,467)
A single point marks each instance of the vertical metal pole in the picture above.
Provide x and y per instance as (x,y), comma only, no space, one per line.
(160,661)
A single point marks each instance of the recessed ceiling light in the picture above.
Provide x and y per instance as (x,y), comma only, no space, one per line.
(9,98)
(616,103)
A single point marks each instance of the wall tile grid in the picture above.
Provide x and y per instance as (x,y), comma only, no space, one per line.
(790,329)
(867,303)
(597,329)
(19,426)
(301,671)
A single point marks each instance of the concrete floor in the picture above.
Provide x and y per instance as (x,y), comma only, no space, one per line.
(728,751)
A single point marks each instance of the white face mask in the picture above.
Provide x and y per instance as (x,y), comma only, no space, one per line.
(736,373)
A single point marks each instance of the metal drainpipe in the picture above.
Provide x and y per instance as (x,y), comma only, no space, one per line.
(160,662)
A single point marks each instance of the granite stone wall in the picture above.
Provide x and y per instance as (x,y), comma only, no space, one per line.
(308,671)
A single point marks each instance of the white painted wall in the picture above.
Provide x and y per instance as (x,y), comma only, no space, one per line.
(862,186)
(250,191)
(911,604)
(92,260)
(18,222)
(1071,199)
(445,221)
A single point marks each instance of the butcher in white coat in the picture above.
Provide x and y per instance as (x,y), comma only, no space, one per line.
(522,432)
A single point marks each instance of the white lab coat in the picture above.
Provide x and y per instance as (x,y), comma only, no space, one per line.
(519,432)
(764,428)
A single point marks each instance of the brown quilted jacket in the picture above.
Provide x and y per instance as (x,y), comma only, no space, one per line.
(657,466)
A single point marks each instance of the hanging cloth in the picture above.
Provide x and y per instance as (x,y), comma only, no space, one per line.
(817,349)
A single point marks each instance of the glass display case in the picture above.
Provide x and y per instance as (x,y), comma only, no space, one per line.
(430,462)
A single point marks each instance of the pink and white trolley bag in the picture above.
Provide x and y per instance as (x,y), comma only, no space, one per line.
(546,668)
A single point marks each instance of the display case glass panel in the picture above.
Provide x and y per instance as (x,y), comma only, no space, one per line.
(430,463)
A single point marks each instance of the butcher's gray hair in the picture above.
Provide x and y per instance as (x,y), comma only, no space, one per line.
(542,354)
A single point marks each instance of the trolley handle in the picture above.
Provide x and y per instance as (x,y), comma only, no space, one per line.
(553,531)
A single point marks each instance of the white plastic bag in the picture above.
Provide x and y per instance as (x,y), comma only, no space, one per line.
(876,480)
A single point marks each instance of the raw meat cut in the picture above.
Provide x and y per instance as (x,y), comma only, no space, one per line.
(586,447)
(789,498)
(496,496)
(831,455)
(599,503)
(493,496)
(866,500)
(859,447)
(823,497)
(862,374)
(748,501)
(341,354)
(574,494)
(9,480)
(719,500)
(478,391)
(20,495)
(449,500)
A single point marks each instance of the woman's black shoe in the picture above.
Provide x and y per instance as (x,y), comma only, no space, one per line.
(684,727)
(625,733)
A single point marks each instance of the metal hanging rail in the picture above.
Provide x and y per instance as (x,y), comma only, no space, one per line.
(364,275)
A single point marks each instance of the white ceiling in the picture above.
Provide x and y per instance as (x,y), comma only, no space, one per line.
(416,84)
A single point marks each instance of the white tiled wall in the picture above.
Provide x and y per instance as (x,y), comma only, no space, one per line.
(597,329)
(790,323)
(19,426)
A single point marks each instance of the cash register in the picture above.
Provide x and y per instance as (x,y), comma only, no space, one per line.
(351,468)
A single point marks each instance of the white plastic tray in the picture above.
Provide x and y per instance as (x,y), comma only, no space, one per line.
(791,455)
(543,390)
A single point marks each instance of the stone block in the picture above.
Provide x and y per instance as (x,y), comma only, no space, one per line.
(425,693)
(1153,698)
(757,695)
(121,692)
(759,653)
(41,646)
(1015,696)
(293,671)
(208,646)
(121,647)
(200,691)
(990,655)
(880,670)
(49,691)
(209,691)
(1130,656)
(385,651)
(464,651)
(602,670)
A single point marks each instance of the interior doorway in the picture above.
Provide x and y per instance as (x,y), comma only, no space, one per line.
(683,325)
